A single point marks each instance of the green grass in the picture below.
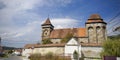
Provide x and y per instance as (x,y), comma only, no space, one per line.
(48,57)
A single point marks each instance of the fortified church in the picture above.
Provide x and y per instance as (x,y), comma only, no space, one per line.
(86,41)
(94,31)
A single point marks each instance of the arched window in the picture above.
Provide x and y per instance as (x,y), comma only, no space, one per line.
(104,27)
(90,28)
(98,33)
(98,29)
(90,34)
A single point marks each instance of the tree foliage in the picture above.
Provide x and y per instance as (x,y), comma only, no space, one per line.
(46,41)
(67,38)
(111,47)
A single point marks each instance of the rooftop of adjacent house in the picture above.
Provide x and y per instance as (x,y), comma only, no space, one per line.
(61,33)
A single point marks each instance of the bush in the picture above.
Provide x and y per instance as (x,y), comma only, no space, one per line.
(35,57)
(46,41)
(3,55)
(67,38)
(111,47)
(48,56)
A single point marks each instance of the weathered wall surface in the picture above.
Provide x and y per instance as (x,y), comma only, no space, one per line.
(96,32)
(91,52)
(25,52)
(83,40)
(54,41)
(87,52)
(45,50)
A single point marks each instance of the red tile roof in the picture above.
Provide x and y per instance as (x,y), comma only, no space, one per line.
(91,44)
(81,32)
(94,21)
(61,33)
(60,45)
(95,18)
(43,45)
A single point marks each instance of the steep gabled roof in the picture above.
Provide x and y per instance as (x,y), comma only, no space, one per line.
(72,41)
(47,22)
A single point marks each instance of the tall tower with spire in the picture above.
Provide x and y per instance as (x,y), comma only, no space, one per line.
(47,27)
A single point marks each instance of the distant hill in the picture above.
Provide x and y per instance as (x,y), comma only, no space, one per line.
(114,37)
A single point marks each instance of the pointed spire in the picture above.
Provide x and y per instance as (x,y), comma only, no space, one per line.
(47,22)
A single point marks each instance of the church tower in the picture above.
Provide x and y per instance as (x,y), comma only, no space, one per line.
(47,27)
(96,29)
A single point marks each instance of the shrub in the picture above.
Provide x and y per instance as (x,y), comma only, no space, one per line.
(111,47)
(48,56)
(46,41)
(67,38)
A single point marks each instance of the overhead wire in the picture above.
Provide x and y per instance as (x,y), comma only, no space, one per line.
(113,23)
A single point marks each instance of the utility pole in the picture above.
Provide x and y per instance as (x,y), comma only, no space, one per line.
(0,46)
(0,41)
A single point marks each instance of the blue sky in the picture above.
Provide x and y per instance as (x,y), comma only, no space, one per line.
(20,20)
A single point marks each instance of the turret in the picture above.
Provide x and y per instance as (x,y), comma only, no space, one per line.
(96,29)
(47,27)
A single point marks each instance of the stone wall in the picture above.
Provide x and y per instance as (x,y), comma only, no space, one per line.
(45,50)
(26,52)
(83,40)
(96,32)
(54,41)
(91,53)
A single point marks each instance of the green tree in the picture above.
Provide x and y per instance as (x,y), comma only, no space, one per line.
(111,47)
(67,38)
(46,41)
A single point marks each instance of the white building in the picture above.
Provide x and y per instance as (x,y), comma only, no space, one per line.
(71,47)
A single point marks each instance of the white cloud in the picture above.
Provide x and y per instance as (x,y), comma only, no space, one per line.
(65,23)
(18,23)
